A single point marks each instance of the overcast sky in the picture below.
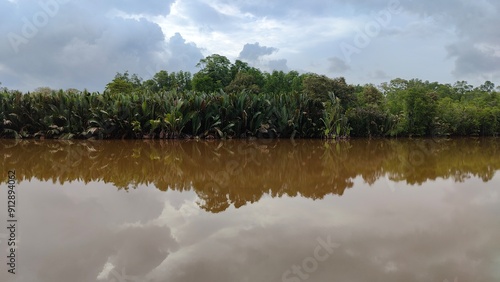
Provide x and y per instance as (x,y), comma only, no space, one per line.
(82,44)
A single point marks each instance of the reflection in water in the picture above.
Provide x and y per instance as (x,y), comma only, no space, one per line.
(75,226)
(225,173)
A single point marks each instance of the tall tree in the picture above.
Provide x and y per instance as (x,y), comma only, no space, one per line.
(320,87)
(488,87)
(245,77)
(215,74)
(124,83)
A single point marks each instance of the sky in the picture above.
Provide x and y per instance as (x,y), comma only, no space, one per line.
(83,44)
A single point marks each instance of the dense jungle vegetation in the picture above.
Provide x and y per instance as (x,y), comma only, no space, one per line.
(235,100)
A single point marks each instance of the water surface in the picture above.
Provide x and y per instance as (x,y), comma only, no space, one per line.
(358,210)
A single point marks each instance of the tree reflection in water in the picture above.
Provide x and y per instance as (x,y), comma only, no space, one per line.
(237,172)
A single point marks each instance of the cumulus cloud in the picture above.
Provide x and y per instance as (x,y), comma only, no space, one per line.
(252,52)
(83,44)
(475,48)
(73,44)
(279,65)
(470,59)
(179,56)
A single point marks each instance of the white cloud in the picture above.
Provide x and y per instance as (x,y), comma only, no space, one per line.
(228,10)
(253,52)
(124,35)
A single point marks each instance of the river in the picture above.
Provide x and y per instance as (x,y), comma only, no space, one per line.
(264,210)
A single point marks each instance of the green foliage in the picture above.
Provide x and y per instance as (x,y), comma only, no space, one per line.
(419,108)
(164,81)
(124,83)
(245,77)
(215,74)
(319,87)
(335,122)
(243,81)
(280,82)
(369,117)
(239,101)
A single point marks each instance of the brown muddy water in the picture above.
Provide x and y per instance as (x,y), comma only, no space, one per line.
(359,210)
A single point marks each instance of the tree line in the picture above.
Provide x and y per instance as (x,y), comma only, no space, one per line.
(235,100)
